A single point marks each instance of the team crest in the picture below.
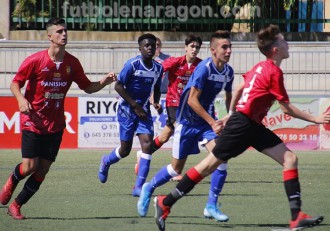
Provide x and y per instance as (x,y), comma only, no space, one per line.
(68,70)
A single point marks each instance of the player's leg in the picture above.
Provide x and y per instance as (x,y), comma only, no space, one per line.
(23,169)
(115,155)
(281,154)
(167,131)
(46,147)
(192,177)
(126,133)
(157,143)
(163,137)
(162,177)
(218,178)
(183,135)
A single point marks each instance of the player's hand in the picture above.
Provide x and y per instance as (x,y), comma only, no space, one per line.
(109,78)
(224,120)
(324,118)
(140,112)
(158,108)
(24,106)
(217,127)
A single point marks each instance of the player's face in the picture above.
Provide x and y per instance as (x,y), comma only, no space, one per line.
(282,47)
(192,49)
(148,48)
(221,50)
(58,35)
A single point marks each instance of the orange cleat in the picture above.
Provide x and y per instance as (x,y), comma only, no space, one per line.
(14,210)
(304,221)
(7,191)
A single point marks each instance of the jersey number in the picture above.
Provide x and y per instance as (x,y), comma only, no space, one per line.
(246,91)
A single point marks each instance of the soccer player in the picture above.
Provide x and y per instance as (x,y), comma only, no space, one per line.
(50,74)
(196,122)
(179,70)
(243,128)
(140,77)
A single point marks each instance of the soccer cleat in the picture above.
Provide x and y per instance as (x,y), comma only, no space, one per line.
(138,157)
(136,192)
(14,210)
(144,200)
(103,169)
(213,212)
(304,221)
(7,191)
(176,178)
(161,212)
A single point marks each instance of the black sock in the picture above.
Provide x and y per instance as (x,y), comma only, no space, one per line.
(17,177)
(292,188)
(183,187)
(31,186)
(154,146)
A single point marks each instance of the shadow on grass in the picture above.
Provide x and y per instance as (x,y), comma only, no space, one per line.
(247,181)
(83,218)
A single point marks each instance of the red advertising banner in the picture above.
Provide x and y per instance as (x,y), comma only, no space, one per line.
(10,133)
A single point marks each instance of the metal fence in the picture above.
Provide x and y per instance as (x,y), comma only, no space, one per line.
(307,71)
(170,15)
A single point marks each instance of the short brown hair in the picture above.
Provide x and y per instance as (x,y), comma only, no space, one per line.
(266,38)
(193,38)
(55,21)
(220,34)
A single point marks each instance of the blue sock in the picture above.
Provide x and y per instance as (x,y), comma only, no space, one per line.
(217,181)
(161,177)
(144,167)
(113,158)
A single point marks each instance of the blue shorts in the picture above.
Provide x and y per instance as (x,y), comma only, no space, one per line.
(131,124)
(186,139)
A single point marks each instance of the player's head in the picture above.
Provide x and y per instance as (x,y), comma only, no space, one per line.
(271,42)
(56,31)
(220,46)
(193,44)
(147,45)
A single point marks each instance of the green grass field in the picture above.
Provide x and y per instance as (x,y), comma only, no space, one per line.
(72,198)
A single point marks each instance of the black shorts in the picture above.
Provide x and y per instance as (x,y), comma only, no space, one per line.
(171,116)
(37,145)
(239,134)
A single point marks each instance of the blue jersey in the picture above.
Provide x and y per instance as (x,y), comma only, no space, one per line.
(140,81)
(210,81)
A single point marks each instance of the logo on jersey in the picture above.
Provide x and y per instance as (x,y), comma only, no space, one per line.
(45,69)
(53,84)
(68,70)
(57,75)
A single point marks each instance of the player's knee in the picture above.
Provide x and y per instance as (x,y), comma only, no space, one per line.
(290,160)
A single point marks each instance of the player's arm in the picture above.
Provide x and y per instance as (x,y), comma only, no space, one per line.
(228,98)
(233,102)
(156,96)
(23,105)
(119,87)
(193,102)
(236,96)
(293,111)
(97,86)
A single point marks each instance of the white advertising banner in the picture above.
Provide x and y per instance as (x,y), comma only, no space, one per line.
(98,127)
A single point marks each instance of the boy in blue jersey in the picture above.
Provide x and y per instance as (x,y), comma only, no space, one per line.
(137,80)
(196,122)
